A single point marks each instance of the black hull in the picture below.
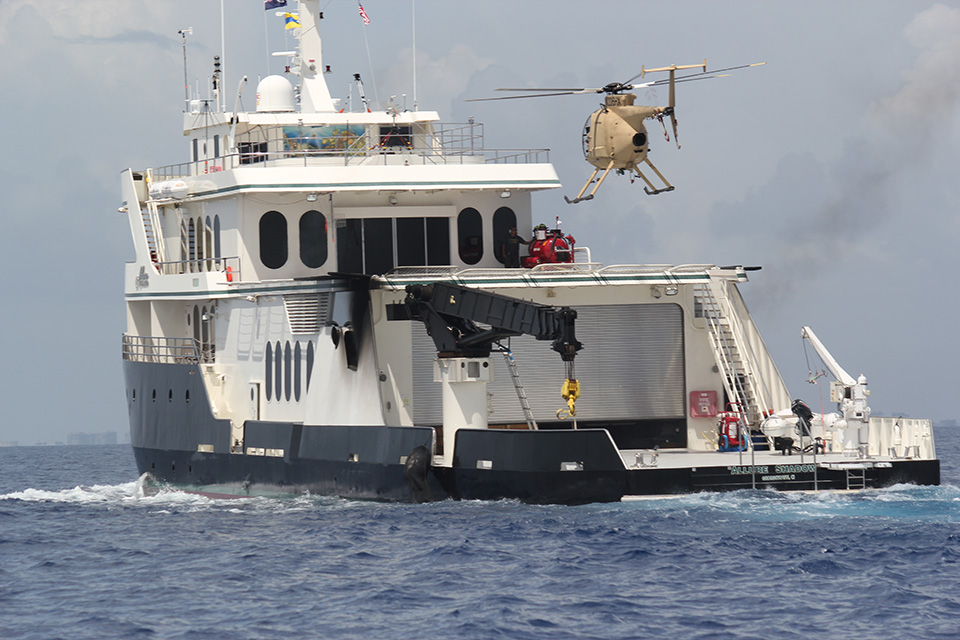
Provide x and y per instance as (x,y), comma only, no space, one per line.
(179,442)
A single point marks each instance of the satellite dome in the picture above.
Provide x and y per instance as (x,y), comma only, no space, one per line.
(275,93)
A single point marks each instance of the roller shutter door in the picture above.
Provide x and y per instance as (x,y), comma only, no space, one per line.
(631,367)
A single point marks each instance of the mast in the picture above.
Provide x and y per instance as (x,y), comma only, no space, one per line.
(314,94)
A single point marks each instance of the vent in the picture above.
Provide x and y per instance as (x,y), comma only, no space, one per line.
(307,312)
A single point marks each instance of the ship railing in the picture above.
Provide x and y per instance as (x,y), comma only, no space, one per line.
(443,144)
(901,438)
(229,266)
(163,350)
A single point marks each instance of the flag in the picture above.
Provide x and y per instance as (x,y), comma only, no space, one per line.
(363,14)
(273,4)
(292,20)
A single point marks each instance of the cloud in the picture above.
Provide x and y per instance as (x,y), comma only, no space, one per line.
(931,90)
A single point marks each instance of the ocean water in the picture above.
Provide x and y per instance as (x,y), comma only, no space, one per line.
(84,554)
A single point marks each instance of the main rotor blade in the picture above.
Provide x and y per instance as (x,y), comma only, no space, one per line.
(708,73)
(531,95)
(566,89)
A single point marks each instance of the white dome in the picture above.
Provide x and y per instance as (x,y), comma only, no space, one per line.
(275,93)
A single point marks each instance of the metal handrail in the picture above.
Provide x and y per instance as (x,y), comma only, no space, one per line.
(201,265)
(444,144)
(163,350)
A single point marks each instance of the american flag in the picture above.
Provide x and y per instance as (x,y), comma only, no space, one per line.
(363,14)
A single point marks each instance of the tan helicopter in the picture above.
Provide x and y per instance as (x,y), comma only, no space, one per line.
(614,136)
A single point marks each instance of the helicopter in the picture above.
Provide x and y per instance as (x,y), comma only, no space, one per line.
(614,136)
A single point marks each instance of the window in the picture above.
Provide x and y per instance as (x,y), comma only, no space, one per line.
(287,371)
(378,245)
(313,239)
(278,370)
(268,373)
(411,242)
(470,235)
(251,152)
(196,150)
(297,371)
(216,146)
(273,240)
(504,219)
(216,239)
(438,241)
(350,246)
(309,362)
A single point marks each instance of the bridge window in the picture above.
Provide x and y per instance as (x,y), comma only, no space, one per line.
(273,240)
(313,239)
(470,235)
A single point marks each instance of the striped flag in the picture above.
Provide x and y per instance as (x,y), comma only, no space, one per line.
(363,14)
(292,20)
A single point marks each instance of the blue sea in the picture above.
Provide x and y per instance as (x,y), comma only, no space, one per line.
(85,554)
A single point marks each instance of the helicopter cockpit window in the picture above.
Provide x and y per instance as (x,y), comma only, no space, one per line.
(470,235)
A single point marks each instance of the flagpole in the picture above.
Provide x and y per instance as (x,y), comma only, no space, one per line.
(414,15)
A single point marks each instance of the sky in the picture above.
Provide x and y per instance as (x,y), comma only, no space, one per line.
(834,166)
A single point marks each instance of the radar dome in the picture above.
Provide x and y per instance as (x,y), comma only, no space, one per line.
(275,93)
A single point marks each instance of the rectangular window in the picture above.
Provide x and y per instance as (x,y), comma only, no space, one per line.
(350,246)
(196,150)
(251,152)
(438,241)
(411,242)
(378,245)
(216,146)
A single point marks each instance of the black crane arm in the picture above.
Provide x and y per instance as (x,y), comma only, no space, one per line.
(451,314)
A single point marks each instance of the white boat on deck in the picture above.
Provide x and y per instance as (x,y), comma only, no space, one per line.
(286,276)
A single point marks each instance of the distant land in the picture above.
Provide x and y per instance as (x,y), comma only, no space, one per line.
(103,438)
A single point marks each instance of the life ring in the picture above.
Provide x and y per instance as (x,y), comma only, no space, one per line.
(229,274)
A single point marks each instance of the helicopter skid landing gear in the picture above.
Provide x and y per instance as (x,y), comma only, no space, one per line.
(651,190)
(580,197)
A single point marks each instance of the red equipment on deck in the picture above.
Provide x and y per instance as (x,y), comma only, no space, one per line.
(549,246)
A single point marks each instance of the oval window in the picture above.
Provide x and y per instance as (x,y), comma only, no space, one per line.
(313,239)
(470,235)
(504,219)
(273,240)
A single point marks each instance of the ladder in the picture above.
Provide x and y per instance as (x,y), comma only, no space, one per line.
(856,479)
(151,225)
(739,379)
(518,385)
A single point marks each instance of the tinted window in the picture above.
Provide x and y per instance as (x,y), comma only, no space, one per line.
(313,239)
(470,235)
(273,240)
(411,242)
(268,374)
(504,219)
(378,245)
(350,246)
(438,241)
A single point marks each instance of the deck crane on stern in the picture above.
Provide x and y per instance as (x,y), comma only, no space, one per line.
(851,394)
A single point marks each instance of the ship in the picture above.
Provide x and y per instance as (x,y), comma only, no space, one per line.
(323,302)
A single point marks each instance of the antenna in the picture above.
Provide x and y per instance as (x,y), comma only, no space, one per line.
(186,85)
